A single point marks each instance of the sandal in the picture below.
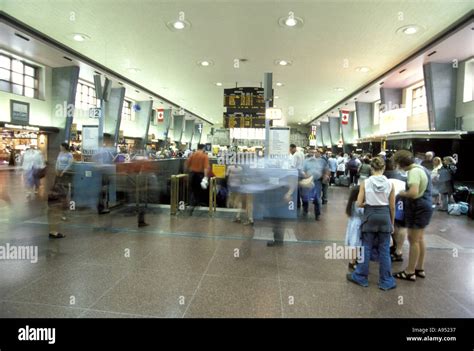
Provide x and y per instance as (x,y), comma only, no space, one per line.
(420,273)
(396,258)
(405,276)
(352,266)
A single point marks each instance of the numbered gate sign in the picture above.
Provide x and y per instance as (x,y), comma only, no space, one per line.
(94,113)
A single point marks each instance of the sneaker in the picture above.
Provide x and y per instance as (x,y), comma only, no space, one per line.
(249,222)
(317,218)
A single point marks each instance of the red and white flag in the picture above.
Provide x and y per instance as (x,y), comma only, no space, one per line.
(344,116)
(159,115)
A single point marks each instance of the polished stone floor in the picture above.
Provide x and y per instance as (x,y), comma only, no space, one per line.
(201,266)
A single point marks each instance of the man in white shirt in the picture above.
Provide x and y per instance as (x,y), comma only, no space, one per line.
(297,159)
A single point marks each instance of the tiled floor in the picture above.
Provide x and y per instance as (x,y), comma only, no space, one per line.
(201,266)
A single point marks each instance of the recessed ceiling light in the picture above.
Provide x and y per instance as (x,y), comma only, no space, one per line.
(299,123)
(80,37)
(178,24)
(276,97)
(205,63)
(363,69)
(219,84)
(290,21)
(278,84)
(133,70)
(325,101)
(339,89)
(409,30)
(283,62)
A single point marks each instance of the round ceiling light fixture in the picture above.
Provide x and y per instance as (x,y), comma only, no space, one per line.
(290,21)
(278,84)
(283,63)
(179,24)
(339,89)
(409,29)
(276,97)
(205,63)
(80,37)
(219,84)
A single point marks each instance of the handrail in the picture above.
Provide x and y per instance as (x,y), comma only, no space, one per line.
(212,195)
(179,186)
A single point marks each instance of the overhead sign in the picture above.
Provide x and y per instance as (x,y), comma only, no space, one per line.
(273,113)
(14,126)
(90,140)
(94,113)
(344,116)
(245,107)
(20,112)
(244,98)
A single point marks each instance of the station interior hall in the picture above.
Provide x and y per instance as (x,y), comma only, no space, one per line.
(236,159)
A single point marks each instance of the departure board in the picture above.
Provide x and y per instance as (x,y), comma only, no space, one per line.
(245,108)
(239,120)
(244,98)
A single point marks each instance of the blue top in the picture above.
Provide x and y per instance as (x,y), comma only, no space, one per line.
(315,167)
(64,161)
(332,164)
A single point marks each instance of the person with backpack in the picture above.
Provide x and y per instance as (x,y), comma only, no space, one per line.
(418,211)
(364,170)
(352,167)
(445,182)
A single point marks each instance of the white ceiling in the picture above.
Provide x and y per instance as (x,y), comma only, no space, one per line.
(126,34)
(459,46)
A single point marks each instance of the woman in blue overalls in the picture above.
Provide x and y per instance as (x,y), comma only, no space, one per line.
(418,211)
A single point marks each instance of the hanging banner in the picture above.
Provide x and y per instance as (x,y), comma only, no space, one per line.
(160,115)
(344,116)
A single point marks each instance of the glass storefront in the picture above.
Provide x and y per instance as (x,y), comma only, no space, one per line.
(14,140)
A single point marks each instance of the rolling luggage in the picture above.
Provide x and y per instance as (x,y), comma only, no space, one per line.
(343,180)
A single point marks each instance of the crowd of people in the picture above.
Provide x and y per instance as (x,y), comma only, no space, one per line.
(391,198)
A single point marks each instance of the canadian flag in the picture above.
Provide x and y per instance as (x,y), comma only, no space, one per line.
(159,115)
(344,116)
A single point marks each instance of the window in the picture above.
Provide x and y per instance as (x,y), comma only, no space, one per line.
(127,110)
(418,100)
(468,93)
(85,97)
(18,77)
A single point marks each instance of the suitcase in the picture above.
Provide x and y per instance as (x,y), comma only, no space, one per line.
(461,194)
(344,180)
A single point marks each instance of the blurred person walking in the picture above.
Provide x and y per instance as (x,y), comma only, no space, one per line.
(59,197)
(33,166)
(315,167)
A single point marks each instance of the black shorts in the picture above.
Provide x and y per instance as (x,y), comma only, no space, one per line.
(418,213)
